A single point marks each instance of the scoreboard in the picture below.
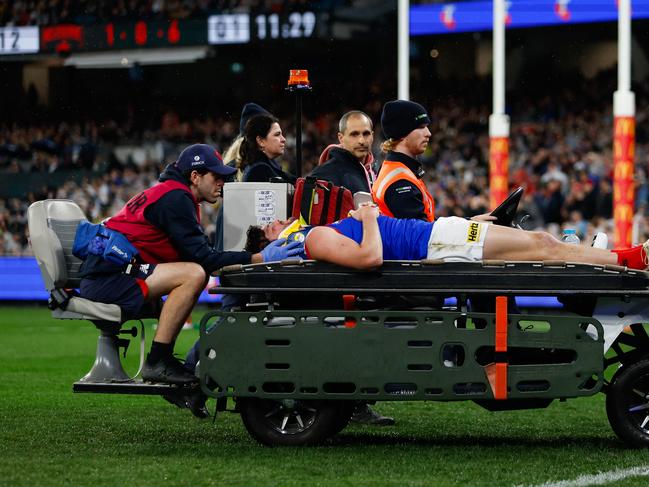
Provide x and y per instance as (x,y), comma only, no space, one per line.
(240,28)
(19,40)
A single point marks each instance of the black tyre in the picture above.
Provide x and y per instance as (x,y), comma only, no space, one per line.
(345,412)
(289,422)
(627,404)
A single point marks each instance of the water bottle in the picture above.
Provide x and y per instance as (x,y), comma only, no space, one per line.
(570,236)
(600,241)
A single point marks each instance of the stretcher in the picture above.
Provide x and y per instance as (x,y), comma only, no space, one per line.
(310,340)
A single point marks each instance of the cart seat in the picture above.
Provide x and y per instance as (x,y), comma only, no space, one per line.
(52,227)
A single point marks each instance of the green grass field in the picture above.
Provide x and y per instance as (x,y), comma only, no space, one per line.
(50,436)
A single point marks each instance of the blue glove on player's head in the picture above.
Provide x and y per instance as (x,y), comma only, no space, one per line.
(276,250)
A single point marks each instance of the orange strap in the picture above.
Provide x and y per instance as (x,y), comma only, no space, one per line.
(349,304)
(501,323)
(500,386)
(498,381)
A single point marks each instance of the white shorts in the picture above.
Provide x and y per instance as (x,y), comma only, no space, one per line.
(455,239)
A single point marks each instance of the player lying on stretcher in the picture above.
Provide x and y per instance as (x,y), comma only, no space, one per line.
(366,239)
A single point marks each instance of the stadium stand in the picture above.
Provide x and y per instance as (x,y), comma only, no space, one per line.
(560,152)
(560,137)
(49,12)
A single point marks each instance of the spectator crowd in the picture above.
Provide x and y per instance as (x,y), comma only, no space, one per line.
(560,151)
(88,12)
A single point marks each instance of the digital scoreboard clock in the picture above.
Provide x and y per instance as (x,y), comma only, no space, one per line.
(244,28)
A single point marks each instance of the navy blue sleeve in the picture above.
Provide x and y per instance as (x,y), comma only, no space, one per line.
(174,214)
(405,200)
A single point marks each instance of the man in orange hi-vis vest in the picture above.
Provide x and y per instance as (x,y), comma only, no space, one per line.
(399,190)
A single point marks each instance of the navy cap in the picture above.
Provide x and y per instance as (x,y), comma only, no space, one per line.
(203,156)
(400,117)
(250,110)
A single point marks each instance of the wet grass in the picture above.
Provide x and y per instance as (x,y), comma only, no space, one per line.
(50,436)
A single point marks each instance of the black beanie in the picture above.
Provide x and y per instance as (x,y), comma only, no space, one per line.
(249,111)
(400,117)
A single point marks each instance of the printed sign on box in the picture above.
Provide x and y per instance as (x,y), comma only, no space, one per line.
(265,206)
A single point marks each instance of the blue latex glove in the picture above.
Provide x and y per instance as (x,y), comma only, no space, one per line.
(276,250)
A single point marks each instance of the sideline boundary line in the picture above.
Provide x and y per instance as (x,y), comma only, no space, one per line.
(601,478)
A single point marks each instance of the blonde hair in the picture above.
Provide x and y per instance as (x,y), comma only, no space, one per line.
(234,154)
(389,145)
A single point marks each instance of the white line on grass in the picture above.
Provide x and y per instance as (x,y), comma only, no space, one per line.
(602,478)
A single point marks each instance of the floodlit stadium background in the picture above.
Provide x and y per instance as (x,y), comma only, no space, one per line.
(96,97)
(99,96)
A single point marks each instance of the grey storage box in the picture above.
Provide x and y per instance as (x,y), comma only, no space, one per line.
(246,204)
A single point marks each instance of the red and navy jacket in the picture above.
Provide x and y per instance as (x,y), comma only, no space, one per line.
(154,245)
(163,223)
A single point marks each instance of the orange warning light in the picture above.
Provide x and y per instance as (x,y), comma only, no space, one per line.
(298,77)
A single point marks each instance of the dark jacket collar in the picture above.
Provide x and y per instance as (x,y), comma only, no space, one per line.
(172,173)
(413,164)
(344,154)
(263,158)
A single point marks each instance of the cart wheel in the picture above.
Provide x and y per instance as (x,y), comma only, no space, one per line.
(627,403)
(289,422)
(345,412)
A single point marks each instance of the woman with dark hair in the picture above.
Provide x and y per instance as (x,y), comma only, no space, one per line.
(263,142)
(232,157)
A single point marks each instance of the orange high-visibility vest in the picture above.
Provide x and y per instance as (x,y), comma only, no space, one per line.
(392,171)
